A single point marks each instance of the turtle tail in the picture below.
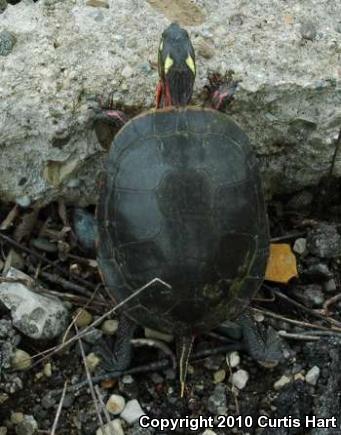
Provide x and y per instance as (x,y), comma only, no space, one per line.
(184,346)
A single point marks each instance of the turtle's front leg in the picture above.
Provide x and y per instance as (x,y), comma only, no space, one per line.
(221,90)
(107,120)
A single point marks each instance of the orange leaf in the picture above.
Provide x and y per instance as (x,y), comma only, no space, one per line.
(281,265)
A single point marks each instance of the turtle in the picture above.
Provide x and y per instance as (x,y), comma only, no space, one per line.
(181,213)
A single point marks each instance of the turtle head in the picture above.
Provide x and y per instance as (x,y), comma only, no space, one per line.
(176,64)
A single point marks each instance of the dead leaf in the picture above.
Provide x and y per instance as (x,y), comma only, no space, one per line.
(26,226)
(7,222)
(281,265)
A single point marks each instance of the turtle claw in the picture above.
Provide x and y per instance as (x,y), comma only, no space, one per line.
(221,89)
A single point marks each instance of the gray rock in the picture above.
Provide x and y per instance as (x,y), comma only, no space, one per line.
(50,125)
(217,403)
(239,378)
(312,375)
(35,315)
(318,271)
(132,412)
(27,427)
(112,428)
(310,295)
(7,42)
(300,246)
(313,296)
(324,241)
(308,30)
(330,286)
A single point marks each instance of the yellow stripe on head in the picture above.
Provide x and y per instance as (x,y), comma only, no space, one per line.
(168,63)
(190,63)
(161,45)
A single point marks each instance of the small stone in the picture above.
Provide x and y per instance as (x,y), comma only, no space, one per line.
(299,377)
(98,3)
(219,376)
(93,336)
(23,201)
(27,427)
(152,333)
(17,417)
(313,296)
(115,404)
(319,271)
(82,318)
(132,412)
(112,428)
(312,375)
(209,432)
(308,30)
(233,359)
(239,378)
(300,246)
(324,241)
(236,19)
(110,326)
(330,286)
(47,370)
(217,403)
(213,362)
(127,71)
(156,378)
(205,50)
(34,314)
(284,380)
(7,42)
(3,430)
(92,361)
(21,360)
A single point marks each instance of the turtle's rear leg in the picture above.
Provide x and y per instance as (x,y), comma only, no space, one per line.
(262,344)
(118,357)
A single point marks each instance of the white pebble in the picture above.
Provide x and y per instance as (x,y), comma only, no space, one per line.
(284,380)
(312,375)
(115,404)
(219,376)
(239,378)
(132,411)
(110,326)
(233,359)
(209,432)
(21,360)
(92,361)
(300,246)
(112,428)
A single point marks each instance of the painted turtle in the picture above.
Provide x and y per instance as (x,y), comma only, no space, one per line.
(182,201)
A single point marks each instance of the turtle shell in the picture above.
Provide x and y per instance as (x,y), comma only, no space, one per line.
(182,201)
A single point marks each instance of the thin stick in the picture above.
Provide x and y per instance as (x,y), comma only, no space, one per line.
(304,308)
(104,409)
(299,337)
(90,383)
(59,410)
